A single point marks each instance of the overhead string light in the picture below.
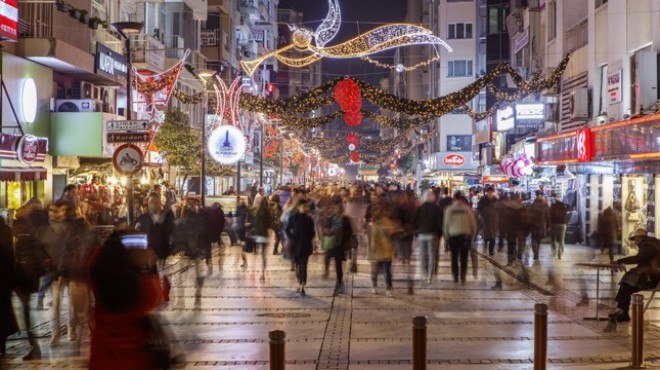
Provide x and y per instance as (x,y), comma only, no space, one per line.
(416,114)
(313,43)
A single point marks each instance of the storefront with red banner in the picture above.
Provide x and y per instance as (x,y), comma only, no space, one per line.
(615,165)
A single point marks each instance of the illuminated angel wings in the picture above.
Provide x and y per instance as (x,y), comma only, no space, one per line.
(330,26)
(379,39)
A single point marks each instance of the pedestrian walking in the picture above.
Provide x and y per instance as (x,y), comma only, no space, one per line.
(558,219)
(608,226)
(487,208)
(459,228)
(428,229)
(158,223)
(300,231)
(338,227)
(8,323)
(261,221)
(275,222)
(539,216)
(381,248)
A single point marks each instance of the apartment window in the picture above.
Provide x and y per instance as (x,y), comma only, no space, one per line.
(459,68)
(459,1)
(599,3)
(459,31)
(497,18)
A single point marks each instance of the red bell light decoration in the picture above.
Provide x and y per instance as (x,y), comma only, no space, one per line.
(355,158)
(347,95)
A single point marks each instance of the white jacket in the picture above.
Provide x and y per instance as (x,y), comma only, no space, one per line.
(459,220)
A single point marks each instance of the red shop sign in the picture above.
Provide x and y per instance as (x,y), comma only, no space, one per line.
(585,145)
(9,20)
(454,160)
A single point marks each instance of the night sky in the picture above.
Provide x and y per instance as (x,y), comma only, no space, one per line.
(358,16)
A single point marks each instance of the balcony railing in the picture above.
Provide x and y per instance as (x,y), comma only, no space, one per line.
(44,20)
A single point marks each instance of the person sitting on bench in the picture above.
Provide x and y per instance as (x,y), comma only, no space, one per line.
(644,276)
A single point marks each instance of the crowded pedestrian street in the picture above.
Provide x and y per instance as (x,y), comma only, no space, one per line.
(470,326)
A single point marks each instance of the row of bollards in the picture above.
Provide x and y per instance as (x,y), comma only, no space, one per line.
(277,339)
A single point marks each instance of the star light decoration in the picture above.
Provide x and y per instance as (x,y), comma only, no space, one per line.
(382,38)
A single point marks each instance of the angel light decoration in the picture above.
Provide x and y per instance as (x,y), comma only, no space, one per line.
(313,43)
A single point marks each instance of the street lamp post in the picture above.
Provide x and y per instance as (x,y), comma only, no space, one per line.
(125,29)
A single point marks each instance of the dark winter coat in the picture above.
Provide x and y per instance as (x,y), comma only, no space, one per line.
(559,213)
(646,274)
(539,213)
(300,230)
(8,323)
(428,219)
(159,235)
(488,211)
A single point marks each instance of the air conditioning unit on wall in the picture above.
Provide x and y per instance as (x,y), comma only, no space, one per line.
(579,103)
(75,105)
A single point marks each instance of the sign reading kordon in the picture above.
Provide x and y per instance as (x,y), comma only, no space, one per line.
(227,144)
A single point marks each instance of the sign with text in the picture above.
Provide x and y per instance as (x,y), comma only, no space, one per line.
(123,126)
(110,64)
(614,87)
(585,145)
(209,37)
(521,41)
(128,137)
(227,144)
(9,20)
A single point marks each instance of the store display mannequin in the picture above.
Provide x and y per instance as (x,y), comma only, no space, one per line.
(632,203)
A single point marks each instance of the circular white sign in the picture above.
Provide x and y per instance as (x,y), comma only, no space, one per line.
(127,159)
(351,147)
(332,172)
(29,100)
(226,144)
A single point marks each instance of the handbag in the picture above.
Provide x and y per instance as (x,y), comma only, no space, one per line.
(328,242)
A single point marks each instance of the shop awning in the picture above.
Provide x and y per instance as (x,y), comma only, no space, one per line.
(22,173)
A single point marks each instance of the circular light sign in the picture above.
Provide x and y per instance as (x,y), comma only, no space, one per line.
(351,147)
(29,100)
(226,144)
(27,149)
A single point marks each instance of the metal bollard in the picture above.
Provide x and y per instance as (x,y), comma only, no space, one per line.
(637,332)
(276,349)
(419,343)
(540,336)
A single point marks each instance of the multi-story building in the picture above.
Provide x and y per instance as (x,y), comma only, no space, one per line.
(456,22)
(604,111)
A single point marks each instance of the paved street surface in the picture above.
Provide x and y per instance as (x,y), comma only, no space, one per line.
(470,326)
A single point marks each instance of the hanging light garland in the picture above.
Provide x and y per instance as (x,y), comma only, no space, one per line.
(190,99)
(418,113)
(304,123)
(400,67)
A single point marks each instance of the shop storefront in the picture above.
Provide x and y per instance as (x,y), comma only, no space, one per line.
(454,170)
(615,165)
(24,164)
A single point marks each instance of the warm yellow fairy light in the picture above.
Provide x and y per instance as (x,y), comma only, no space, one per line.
(399,67)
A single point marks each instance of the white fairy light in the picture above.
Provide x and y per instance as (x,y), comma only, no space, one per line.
(379,39)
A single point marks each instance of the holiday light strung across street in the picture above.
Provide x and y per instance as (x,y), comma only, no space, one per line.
(154,92)
(417,113)
(382,38)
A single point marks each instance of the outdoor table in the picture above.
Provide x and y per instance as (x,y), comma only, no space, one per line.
(599,266)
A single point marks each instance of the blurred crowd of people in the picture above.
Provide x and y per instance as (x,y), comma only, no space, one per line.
(56,248)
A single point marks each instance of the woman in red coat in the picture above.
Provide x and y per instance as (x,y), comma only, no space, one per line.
(126,289)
